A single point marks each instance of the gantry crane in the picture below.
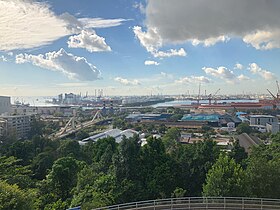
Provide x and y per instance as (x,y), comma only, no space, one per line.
(276,98)
(211,96)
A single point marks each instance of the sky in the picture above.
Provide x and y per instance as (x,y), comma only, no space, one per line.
(141,47)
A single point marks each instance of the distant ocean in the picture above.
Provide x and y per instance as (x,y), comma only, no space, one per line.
(189,102)
(33,100)
(42,101)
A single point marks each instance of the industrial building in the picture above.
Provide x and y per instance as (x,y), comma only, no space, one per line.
(117,134)
(148,117)
(215,119)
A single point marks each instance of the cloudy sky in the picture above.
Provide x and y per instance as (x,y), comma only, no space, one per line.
(138,47)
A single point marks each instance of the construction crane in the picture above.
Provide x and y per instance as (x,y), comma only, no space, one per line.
(276,98)
(210,96)
(198,97)
(278,90)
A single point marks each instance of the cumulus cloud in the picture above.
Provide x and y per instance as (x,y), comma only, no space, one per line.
(208,22)
(149,62)
(264,40)
(26,24)
(225,74)
(152,41)
(73,67)
(255,69)
(88,40)
(221,72)
(238,66)
(126,81)
(193,79)
(242,77)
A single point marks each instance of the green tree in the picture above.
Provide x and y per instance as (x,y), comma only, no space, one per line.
(12,197)
(225,178)
(157,171)
(238,153)
(14,173)
(203,155)
(94,190)
(69,148)
(81,135)
(263,171)
(63,177)
(37,127)
(243,128)
(171,139)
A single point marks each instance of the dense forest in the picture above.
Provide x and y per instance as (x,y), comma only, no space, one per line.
(44,174)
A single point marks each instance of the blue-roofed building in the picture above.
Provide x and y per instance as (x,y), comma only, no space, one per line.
(211,119)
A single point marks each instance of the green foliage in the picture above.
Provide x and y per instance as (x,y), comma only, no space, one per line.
(37,127)
(12,197)
(63,177)
(14,173)
(69,148)
(263,170)
(94,190)
(178,193)
(243,128)
(81,134)
(238,153)
(225,178)
(176,117)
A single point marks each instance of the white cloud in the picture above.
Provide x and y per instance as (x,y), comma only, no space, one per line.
(27,24)
(242,77)
(150,39)
(126,81)
(149,62)
(255,69)
(264,40)
(73,67)
(170,53)
(221,72)
(207,22)
(101,23)
(24,24)
(210,41)
(193,79)
(88,40)
(238,66)
(153,42)
(3,58)
(225,74)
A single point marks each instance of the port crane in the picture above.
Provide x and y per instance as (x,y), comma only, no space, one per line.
(211,96)
(276,98)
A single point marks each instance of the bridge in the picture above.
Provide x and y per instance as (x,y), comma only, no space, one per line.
(190,203)
(73,125)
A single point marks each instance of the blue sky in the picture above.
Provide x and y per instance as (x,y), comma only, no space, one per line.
(138,47)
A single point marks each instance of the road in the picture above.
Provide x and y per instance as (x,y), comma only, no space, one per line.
(247,142)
